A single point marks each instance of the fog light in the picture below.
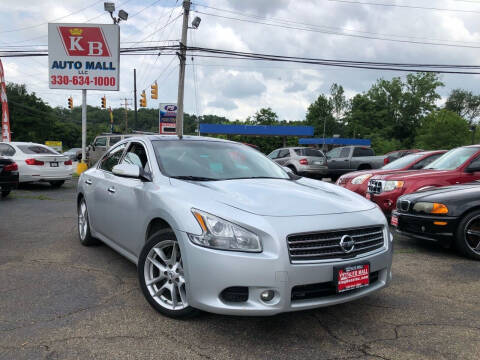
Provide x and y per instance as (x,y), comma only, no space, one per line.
(267,295)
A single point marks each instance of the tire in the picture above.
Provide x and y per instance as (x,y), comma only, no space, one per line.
(162,270)
(83,225)
(5,193)
(57,184)
(467,238)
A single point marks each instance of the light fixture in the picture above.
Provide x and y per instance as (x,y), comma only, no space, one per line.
(122,14)
(196,22)
(109,6)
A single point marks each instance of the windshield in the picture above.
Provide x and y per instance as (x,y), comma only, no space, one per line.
(452,159)
(214,160)
(402,162)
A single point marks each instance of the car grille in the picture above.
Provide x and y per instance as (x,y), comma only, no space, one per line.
(315,291)
(326,245)
(375,186)
(403,205)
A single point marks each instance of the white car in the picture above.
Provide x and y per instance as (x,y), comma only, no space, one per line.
(37,162)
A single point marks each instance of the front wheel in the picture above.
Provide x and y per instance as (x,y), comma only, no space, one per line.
(86,238)
(161,275)
(468,235)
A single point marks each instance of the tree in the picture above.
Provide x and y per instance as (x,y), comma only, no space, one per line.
(320,113)
(442,129)
(264,116)
(465,104)
(338,101)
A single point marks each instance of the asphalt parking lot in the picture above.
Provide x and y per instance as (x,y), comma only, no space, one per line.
(59,300)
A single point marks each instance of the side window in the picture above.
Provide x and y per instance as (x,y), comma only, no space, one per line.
(475,163)
(101,141)
(283,153)
(273,154)
(422,163)
(359,152)
(136,155)
(114,140)
(345,153)
(112,158)
(334,153)
(6,150)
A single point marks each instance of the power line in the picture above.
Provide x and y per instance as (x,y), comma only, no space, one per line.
(404,6)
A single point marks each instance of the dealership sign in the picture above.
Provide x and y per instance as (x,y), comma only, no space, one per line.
(83,56)
(168,115)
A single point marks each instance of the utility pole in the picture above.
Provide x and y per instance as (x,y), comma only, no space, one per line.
(181,73)
(324,127)
(135,95)
(125,104)
(84,125)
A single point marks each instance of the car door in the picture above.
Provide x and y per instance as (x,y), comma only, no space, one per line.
(338,160)
(127,200)
(99,199)
(99,148)
(283,156)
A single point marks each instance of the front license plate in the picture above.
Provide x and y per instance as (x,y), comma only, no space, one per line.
(394,220)
(352,277)
(54,164)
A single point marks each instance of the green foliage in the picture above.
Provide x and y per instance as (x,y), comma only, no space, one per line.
(464,103)
(443,129)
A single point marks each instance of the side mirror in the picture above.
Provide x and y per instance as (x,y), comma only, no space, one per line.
(127,170)
(287,169)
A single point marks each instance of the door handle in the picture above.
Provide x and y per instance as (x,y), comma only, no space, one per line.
(111,190)
(345,160)
(88,182)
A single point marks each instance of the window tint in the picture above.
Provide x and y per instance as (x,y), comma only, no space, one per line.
(114,140)
(283,153)
(475,163)
(273,154)
(101,141)
(360,151)
(422,163)
(402,162)
(345,153)
(334,153)
(453,159)
(136,155)
(36,149)
(112,158)
(309,152)
(6,150)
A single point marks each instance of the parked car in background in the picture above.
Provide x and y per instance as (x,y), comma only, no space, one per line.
(357,181)
(8,174)
(101,144)
(301,160)
(457,166)
(342,160)
(397,154)
(215,225)
(37,162)
(74,154)
(449,215)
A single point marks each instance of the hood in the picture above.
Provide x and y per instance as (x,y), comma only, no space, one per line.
(375,173)
(455,193)
(412,174)
(278,197)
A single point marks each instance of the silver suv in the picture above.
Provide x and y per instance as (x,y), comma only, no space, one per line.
(301,160)
(215,225)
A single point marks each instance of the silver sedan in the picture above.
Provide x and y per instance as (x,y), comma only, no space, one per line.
(214,225)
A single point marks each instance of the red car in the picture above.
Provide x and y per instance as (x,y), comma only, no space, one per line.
(397,154)
(457,166)
(357,181)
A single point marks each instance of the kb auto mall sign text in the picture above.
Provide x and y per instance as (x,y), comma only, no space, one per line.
(83,56)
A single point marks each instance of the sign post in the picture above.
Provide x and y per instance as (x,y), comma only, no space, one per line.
(84,57)
(5,118)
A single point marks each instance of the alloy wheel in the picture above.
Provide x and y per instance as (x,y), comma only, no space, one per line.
(82,220)
(164,276)
(472,234)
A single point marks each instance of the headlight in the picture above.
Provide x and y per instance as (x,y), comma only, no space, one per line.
(430,208)
(223,235)
(361,179)
(392,185)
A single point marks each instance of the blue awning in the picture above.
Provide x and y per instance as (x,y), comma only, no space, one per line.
(335,141)
(257,130)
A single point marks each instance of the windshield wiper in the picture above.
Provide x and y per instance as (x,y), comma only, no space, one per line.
(193,178)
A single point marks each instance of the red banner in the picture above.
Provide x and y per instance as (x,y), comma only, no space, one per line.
(5,115)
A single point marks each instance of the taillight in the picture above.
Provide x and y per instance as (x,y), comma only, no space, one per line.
(11,167)
(303,161)
(68,162)
(34,162)
(386,161)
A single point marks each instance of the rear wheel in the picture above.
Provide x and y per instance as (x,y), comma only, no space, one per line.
(5,193)
(86,238)
(468,235)
(161,275)
(57,184)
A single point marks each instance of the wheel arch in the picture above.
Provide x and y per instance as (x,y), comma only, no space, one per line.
(364,167)
(155,225)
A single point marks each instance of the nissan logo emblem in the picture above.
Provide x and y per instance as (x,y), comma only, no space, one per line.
(347,244)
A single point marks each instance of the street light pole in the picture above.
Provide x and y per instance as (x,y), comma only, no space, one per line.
(135,95)
(181,73)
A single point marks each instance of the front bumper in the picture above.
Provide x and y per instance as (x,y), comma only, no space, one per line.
(209,272)
(387,201)
(424,227)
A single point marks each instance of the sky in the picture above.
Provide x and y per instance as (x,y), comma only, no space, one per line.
(344,30)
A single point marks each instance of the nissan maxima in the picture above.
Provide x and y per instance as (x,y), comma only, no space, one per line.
(215,225)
